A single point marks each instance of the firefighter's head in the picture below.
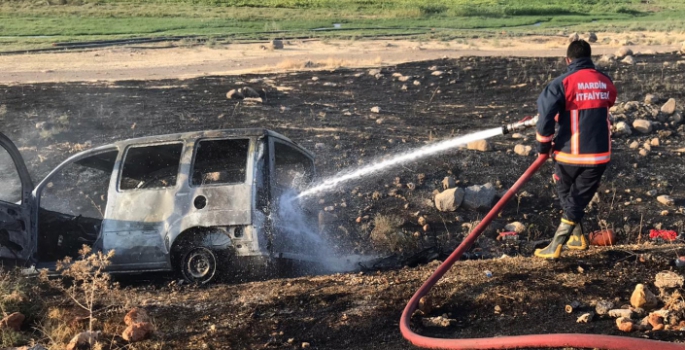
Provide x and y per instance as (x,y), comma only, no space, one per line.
(578,49)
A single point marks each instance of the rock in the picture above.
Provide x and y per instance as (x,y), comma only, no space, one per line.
(523,150)
(654,142)
(643,298)
(439,321)
(515,227)
(417,83)
(643,126)
(137,332)
(656,321)
(606,60)
(669,107)
(634,145)
(12,321)
(647,146)
(652,193)
(448,182)
(573,37)
(136,315)
(602,238)
(643,152)
(591,37)
(623,52)
(479,197)
(668,280)
(422,220)
(585,318)
(651,99)
(306,345)
(625,324)
(83,340)
(666,200)
(277,44)
(374,72)
(426,305)
(375,109)
(676,119)
(450,199)
(249,92)
(603,307)
(622,129)
(315,78)
(616,313)
(480,145)
(438,73)
(629,60)
(234,95)
(403,79)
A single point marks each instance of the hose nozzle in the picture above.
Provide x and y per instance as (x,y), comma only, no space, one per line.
(525,123)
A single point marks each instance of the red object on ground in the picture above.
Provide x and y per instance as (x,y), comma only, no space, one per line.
(520,341)
(602,238)
(666,235)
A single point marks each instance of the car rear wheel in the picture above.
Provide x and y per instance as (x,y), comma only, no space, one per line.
(199,265)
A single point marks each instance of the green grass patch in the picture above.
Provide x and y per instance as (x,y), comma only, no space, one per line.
(27,22)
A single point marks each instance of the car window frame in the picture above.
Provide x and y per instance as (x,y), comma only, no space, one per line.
(194,156)
(122,163)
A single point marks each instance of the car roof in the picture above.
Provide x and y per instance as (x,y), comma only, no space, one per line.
(193,135)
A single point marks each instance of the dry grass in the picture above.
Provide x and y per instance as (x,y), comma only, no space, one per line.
(387,233)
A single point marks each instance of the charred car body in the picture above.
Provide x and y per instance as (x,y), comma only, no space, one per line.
(195,203)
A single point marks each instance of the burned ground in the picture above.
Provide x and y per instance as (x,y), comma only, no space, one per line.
(329,112)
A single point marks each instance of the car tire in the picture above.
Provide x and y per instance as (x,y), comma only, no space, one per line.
(199,265)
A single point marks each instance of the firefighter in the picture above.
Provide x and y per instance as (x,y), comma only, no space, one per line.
(578,102)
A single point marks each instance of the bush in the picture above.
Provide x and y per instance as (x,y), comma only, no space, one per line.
(387,232)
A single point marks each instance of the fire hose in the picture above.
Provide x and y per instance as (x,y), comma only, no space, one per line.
(520,341)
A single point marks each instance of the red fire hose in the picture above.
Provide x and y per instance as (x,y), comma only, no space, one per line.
(521,341)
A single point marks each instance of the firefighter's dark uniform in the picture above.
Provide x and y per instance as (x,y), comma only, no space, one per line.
(578,102)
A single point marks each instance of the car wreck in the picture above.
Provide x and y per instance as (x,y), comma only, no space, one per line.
(197,203)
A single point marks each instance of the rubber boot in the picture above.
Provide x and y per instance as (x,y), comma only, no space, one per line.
(553,250)
(577,241)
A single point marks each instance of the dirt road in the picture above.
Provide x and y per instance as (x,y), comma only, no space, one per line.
(137,63)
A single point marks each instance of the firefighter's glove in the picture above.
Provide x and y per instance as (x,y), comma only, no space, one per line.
(544,147)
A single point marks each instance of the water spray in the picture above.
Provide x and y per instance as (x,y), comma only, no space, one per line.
(438,147)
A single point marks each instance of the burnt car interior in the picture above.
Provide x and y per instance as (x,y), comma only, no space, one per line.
(154,166)
(72,206)
(293,170)
(220,162)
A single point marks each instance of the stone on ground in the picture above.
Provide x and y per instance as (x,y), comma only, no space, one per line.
(448,182)
(666,200)
(623,52)
(669,107)
(480,145)
(573,37)
(629,60)
(668,280)
(277,44)
(643,298)
(622,129)
(591,37)
(651,99)
(450,199)
(479,197)
(523,150)
(643,126)
(515,227)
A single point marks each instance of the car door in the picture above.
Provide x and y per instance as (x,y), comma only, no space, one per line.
(142,205)
(294,232)
(16,228)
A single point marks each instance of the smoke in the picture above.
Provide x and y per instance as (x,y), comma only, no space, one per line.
(297,232)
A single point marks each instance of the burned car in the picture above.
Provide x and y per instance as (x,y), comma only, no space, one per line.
(197,203)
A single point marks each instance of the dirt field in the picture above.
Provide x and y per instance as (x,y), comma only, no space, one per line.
(329,112)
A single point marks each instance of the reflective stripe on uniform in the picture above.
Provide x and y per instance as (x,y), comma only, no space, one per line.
(541,138)
(582,159)
(575,132)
